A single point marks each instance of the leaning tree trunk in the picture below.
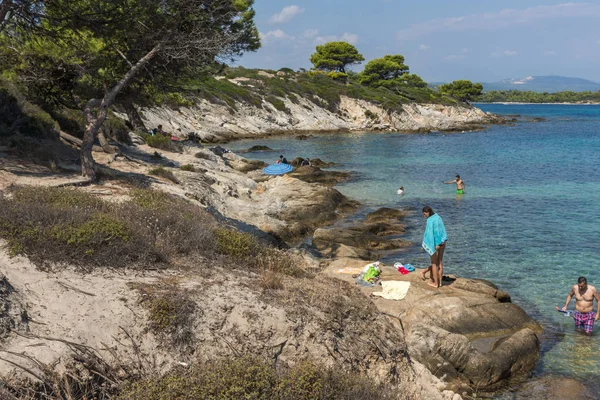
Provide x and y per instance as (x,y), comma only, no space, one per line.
(96,116)
(104,142)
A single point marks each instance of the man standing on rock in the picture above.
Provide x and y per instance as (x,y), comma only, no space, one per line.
(584,303)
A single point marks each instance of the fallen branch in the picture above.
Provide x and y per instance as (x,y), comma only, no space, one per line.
(67,286)
(29,371)
(78,142)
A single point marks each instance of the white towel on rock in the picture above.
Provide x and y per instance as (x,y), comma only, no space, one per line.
(393,290)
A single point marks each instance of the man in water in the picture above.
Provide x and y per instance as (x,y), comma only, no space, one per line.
(401,191)
(584,303)
(460,185)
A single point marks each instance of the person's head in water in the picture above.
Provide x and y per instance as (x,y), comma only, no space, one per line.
(427,211)
(582,282)
(401,187)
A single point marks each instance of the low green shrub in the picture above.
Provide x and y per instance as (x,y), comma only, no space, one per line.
(19,116)
(246,250)
(236,245)
(254,378)
(203,156)
(371,115)
(171,313)
(278,104)
(188,167)
(164,173)
(55,226)
(160,142)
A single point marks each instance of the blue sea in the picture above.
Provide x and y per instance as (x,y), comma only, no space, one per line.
(529,218)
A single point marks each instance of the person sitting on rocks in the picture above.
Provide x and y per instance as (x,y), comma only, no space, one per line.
(305,162)
(158,131)
(282,160)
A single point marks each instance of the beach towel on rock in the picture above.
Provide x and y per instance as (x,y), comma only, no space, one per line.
(393,290)
(435,234)
(349,270)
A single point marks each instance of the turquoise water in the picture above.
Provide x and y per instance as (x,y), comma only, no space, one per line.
(528,219)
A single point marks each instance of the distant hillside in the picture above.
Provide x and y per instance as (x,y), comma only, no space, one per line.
(550,84)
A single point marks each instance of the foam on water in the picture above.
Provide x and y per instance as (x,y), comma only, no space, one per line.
(528,220)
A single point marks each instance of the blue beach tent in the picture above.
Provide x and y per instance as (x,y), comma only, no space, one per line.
(277,169)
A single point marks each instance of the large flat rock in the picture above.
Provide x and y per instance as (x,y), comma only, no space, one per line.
(467,332)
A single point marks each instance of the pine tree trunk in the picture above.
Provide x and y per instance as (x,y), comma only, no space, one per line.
(133,116)
(96,114)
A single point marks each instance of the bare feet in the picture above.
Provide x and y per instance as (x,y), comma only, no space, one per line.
(422,273)
(432,284)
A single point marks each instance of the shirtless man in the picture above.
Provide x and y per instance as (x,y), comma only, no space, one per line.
(460,185)
(584,303)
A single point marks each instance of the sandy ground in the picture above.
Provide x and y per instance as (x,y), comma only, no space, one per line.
(97,309)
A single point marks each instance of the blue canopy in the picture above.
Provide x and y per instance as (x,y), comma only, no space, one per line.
(277,169)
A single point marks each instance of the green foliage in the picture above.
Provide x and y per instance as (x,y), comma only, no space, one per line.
(286,70)
(371,115)
(335,56)
(164,173)
(153,200)
(81,49)
(188,167)
(171,313)
(115,128)
(413,80)
(160,142)
(223,91)
(338,76)
(70,120)
(383,69)
(278,104)
(463,90)
(519,96)
(69,226)
(237,245)
(253,378)
(19,116)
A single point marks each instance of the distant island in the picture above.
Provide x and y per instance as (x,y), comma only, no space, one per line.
(539,89)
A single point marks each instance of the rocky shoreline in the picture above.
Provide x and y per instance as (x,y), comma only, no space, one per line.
(215,122)
(464,339)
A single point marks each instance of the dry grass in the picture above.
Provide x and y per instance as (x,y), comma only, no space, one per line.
(171,313)
(251,378)
(271,280)
(56,226)
(164,173)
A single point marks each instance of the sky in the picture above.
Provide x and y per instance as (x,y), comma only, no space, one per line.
(441,40)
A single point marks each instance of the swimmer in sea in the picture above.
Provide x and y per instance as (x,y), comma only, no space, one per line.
(460,184)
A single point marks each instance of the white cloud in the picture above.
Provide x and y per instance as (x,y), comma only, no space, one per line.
(457,56)
(349,37)
(345,37)
(275,35)
(286,14)
(311,33)
(424,47)
(505,53)
(500,19)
